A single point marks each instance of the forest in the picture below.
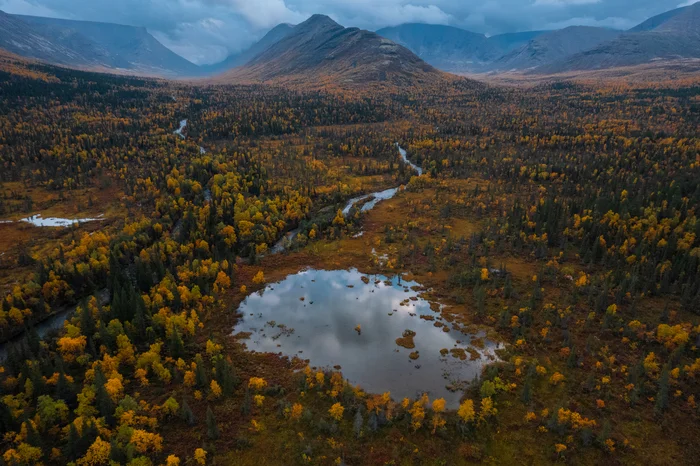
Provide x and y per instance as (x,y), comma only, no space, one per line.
(559,220)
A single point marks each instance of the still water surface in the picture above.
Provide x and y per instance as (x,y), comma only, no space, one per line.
(322,328)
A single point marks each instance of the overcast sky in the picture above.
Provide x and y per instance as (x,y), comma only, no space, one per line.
(206,31)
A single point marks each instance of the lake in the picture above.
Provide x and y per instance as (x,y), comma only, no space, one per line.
(315,315)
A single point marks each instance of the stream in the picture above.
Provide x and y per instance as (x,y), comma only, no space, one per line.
(374,199)
(52,323)
(179,132)
(55,321)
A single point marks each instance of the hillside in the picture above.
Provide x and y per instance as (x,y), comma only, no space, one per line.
(91,45)
(553,46)
(510,41)
(445,47)
(453,49)
(69,48)
(320,51)
(239,59)
(658,20)
(670,36)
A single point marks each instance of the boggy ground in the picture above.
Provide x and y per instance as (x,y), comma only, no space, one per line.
(522,432)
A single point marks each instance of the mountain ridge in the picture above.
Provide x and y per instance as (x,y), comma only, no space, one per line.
(91,45)
(239,59)
(319,50)
(397,54)
(455,49)
(133,46)
(670,36)
(553,46)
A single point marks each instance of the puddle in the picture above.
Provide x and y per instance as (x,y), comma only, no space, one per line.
(347,319)
(39,221)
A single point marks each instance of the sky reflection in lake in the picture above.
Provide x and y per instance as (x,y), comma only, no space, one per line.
(321,328)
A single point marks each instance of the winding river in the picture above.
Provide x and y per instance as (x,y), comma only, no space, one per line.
(179,132)
(55,321)
(374,199)
(52,323)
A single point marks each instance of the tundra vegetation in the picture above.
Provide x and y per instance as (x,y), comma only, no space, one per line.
(560,219)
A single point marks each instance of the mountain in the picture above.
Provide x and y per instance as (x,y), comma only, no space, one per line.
(672,35)
(510,41)
(658,20)
(275,35)
(320,51)
(453,49)
(85,44)
(553,46)
(131,47)
(22,39)
(445,47)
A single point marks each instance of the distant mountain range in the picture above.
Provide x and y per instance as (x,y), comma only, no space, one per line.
(672,35)
(321,50)
(552,46)
(85,44)
(453,49)
(668,36)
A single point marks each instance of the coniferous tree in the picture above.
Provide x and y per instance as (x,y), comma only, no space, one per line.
(200,373)
(33,437)
(246,407)
(102,399)
(226,376)
(71,448)
(662,394)
(212,429)
(187,414)
(358,423)
(177,347)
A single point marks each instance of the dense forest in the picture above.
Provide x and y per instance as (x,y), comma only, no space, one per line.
(560,219)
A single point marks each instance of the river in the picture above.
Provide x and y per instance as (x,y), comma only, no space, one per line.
(53,322)
(179,132)
(372,200)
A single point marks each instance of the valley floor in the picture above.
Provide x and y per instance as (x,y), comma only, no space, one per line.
(558,221)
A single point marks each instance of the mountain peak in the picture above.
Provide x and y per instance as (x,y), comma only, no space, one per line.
(321,52)
(319,20)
